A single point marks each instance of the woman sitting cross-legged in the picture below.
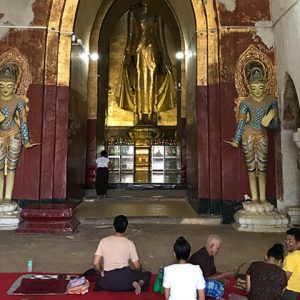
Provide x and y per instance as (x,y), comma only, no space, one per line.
(265,279)
(183,281)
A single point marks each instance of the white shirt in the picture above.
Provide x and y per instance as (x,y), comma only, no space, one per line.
(183,280)
(102,162)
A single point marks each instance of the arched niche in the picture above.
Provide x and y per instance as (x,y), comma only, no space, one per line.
(291,111)
(290,119)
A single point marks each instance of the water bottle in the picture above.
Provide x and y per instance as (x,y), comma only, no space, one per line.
(161,272)
(29,265)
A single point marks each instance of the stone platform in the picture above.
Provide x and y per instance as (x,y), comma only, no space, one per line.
(257,217)
(48,218)
(9,216)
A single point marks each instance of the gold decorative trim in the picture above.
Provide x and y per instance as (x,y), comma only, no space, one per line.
(252,54)
(13,55)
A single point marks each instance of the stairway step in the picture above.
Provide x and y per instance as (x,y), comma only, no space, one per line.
(116,193)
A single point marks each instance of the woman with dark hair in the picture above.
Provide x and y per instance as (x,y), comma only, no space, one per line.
(102,174)
(265,279)
(183,280)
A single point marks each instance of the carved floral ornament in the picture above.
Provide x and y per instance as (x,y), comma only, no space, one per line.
(13,56)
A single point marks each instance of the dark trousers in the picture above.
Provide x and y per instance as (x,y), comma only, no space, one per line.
(102,175)
(289,295)
(122,279)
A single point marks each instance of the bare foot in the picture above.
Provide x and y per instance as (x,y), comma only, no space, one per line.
(137,287)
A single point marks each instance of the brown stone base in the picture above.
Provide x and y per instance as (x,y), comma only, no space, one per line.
(48,218)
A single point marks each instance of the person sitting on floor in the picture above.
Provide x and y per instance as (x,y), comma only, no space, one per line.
(112,262)
(291,264)
(265,279)
(183,280)
(205,259)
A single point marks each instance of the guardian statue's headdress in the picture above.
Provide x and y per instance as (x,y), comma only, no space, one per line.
(9,72)
(255,72)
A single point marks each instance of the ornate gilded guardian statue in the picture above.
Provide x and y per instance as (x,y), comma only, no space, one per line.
(256,114)
(146,84)
(13,129)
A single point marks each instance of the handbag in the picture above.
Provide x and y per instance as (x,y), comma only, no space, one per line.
(158,283)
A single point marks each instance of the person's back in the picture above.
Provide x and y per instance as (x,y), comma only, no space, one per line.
(267,281)
(183,280)
(112,262)
(116,252)
(102,162)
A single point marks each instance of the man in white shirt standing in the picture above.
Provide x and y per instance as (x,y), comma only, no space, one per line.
(112,262)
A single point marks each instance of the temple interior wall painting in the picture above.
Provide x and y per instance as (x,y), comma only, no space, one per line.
(142,96)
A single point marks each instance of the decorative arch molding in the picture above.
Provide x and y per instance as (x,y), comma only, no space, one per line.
(62,20)
(52,42)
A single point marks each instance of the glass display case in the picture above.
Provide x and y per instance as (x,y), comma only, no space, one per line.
(127,158)
(166,158)
(114,157)
(172,158)
(157,158)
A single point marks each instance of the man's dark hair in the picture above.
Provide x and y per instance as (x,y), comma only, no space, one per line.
(103,153)
(182,248)
(277,251)
(295,232)
(120,223)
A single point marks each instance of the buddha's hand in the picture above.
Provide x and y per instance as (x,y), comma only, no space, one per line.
(29,145)
(268,118)
(231,143)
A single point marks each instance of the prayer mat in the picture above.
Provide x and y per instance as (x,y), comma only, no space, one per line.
(37,284)
(8,279)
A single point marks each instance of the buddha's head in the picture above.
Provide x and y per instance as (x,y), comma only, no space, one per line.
(8,81)
(257,84)
(141,10)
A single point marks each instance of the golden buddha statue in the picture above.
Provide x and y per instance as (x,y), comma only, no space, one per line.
(257,112)
(146,84)
(13,129)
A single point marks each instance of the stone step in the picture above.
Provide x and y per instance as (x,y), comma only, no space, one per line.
(133,198)
(107,222)
(116,193)
(142,211)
